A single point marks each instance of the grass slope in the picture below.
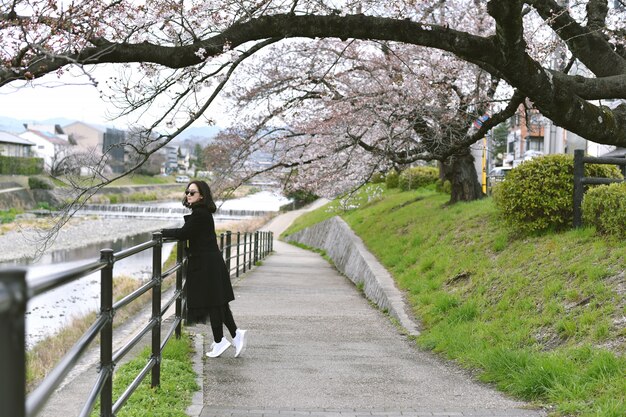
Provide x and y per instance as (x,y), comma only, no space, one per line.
(172,397)
(542,318)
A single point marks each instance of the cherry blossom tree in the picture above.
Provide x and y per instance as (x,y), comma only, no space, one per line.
(565,58)
(341,112)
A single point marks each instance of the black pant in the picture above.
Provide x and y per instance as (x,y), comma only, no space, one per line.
(219,316)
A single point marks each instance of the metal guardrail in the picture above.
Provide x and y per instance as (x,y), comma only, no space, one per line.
(241,251)
(15,293)
(580,180)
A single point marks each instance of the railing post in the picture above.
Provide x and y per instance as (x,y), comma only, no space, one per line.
(228,250)
(106,334)
(264,241)
(180,255)
(237,252)
(271,241)
(13,297)
(245,250)
(579,190)
(250,252)
(156,308)
(222,244)
(256,247)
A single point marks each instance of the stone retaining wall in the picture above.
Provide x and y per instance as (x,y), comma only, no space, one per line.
(352,259)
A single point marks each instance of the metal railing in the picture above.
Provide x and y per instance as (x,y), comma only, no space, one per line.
(580,180)
(15,293)
(241,251)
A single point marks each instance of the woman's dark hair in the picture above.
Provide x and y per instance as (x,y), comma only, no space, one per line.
(205,192)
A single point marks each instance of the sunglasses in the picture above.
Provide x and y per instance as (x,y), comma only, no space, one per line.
(191,193)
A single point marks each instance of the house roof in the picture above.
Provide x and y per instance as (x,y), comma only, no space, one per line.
(50,137)
(94,127)
(7,137)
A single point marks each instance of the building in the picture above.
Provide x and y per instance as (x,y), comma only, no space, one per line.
(15,146)
(86,137)
(93,142)
(113,142)
(531,134)
(49,147)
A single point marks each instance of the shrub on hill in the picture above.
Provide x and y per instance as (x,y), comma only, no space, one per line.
(443,186)
(378,178)
(392,179)
(417,177)
(40,183)
(605,208)
(537,195)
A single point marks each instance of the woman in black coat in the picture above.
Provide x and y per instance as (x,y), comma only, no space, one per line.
(208,281)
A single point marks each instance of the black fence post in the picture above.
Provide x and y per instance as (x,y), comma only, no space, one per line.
(13,297)
(271,241)
(106,334)
(237,252)
(579,190)
(250,252)
(264,244)
(256,247)
(156,308)
(180,256)
(228,250)
(245,250)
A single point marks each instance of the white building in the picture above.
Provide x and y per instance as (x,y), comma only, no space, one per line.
(51,148)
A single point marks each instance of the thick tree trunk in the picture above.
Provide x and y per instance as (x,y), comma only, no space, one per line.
(459,170)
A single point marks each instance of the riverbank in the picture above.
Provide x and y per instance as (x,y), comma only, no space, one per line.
(21,240)
(24,238)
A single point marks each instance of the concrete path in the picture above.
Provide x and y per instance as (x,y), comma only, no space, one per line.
(318,348)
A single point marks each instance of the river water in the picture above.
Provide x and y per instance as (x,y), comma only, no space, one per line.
(49,312)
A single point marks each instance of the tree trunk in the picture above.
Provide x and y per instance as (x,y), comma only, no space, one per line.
(459,170)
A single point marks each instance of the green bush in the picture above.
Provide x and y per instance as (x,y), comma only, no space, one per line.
(418,177)
(605,208)
(378,178)
(40,183)
(7,216)
(13,165)
(538,194)
(392,179)
(443,186)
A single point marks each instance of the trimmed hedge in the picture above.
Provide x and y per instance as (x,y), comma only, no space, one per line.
(418,177)
(537,196)
(13,165)
(605,208)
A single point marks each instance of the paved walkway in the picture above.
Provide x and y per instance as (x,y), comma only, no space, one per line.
(318,348)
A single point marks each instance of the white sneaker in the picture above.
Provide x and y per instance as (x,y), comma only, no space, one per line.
(218,348)
(239,341)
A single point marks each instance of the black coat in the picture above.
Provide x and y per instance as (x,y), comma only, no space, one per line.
(208,280)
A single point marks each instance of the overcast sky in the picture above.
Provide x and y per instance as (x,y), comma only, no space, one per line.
(38,103)
(68,97)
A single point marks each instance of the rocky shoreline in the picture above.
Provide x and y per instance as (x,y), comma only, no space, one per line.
(24,241)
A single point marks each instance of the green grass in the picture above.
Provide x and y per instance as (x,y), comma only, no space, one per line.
(7,216)
(539,317)
(172,397)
